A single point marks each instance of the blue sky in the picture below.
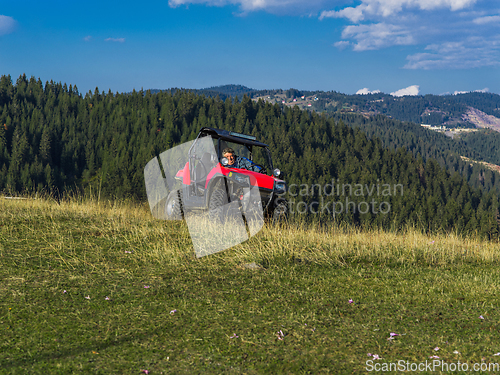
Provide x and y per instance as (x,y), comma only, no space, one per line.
(395,46)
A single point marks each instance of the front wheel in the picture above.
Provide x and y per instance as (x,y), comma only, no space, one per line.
(218,199)
(280,213)
(173,207)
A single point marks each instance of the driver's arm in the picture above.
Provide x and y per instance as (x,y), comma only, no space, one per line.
(248,164)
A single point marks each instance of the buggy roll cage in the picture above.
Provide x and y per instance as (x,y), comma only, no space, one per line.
(246,140)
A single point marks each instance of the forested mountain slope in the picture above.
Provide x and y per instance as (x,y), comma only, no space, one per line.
(54,139)
(428,144)
(486,143)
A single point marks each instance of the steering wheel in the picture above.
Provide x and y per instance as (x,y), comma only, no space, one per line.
(262,168)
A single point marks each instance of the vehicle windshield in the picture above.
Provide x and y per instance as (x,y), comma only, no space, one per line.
(258,155)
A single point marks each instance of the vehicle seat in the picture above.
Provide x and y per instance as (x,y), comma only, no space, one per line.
(203,169)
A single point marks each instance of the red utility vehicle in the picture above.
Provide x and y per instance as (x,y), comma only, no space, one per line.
(209,183)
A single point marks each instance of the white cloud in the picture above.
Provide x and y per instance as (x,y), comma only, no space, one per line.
(353,14)
(343,44)
(486,20)
(409,91)
(443,28)
(88,38)
(377,35)
(386,8)
(7,24)
(118,40)
(366,91)
(466,92)
(244,4)
(272,6)
(383,7)
(473,52)
(459,34)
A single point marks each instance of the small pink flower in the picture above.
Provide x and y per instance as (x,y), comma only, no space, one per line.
(107,298)
(496,354)
(434,357)
(281,336)
(64,292)
(369,354)
(172,312)
(436,348)
(234,336)
(128,252)
(432,242)
(351,301)
(481,317)
(145,371)
(392,335)
(88,297)
(376,356)
(146,286)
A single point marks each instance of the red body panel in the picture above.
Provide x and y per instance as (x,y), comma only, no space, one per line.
(256,179)
(184,175)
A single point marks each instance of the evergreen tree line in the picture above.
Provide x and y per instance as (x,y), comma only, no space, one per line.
(485,142)
(54,139)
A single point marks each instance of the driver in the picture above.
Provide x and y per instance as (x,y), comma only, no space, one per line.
(238,161)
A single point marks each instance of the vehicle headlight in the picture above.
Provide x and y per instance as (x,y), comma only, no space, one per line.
(280,188)
(242,179)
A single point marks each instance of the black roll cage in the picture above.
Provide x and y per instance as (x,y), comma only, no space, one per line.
(228,136)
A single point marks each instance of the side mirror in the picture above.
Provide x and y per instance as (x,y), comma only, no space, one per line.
(277,173)
(224,161)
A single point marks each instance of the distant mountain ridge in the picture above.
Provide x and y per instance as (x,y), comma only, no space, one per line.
(466,110)
(442,110)
(231,90)
(223,92)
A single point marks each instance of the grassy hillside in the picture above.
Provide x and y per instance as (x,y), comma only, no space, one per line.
(102,287)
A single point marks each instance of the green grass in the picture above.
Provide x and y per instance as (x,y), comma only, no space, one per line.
(430,289)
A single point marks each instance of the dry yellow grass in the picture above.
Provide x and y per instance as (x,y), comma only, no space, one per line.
(67,223)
